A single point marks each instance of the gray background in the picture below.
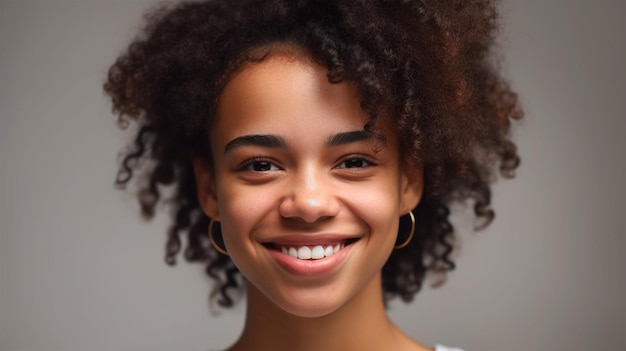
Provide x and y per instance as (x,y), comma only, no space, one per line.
(80,271)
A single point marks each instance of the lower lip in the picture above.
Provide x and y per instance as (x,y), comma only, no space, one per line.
(319,267)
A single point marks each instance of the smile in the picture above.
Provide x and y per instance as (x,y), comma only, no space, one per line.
(310,257)
(311,253)
(309,249)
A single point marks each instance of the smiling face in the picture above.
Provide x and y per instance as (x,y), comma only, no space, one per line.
(308,201)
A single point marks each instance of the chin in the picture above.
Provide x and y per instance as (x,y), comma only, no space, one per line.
(304,301)
(313,308)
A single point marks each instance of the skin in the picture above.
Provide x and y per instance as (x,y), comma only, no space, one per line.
(312,176)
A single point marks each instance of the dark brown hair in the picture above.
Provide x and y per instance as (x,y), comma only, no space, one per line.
(425,63)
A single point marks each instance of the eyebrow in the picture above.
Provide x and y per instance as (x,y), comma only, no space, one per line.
(256,140)
(348,138)
(273,141)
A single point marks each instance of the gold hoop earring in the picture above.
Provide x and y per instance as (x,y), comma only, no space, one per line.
(213,243)
(408,240)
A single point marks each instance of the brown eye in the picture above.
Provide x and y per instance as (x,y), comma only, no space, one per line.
(261,166)
(256,165)
(354,163)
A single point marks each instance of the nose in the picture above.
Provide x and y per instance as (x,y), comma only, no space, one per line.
(309,196)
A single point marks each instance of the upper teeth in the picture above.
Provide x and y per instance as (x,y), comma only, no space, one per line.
(311,253)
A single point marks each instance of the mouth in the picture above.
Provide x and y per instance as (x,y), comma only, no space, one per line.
(307,252)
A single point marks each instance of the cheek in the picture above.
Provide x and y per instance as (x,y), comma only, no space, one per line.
(378,205)
(238,218)
(241,209)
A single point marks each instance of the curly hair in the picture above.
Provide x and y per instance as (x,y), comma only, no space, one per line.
(426,63)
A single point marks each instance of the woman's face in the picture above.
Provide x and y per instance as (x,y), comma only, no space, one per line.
(296,175)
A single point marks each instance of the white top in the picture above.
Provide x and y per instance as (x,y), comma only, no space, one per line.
(444,348)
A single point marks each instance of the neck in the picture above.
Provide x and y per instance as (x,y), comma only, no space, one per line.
(361,324)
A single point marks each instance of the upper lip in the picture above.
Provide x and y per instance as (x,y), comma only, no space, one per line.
(309,239)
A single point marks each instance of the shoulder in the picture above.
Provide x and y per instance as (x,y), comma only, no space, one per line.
(445,348)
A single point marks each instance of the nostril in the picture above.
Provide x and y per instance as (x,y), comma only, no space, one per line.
(308,205)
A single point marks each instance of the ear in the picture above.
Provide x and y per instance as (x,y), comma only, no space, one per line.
(412,187)
(206,188)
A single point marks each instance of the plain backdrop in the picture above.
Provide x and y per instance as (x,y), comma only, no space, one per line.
(79,270)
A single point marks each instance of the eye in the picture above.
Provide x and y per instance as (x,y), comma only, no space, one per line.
(355,162)
(258,165)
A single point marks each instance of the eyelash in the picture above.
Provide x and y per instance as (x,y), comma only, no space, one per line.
(245,166)
(250,162)
(369,162)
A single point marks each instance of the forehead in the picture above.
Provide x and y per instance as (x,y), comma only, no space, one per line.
(287,89)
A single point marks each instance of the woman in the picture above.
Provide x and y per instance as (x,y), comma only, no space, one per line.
(314,148)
